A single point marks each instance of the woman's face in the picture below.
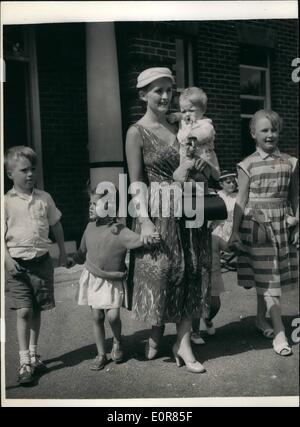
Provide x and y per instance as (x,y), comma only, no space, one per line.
(158,95)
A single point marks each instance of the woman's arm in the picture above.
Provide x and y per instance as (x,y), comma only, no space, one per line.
(135,163)
(241,201)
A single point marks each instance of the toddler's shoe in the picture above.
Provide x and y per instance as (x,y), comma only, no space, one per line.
(37,364)
(117,353)
(196,338)
(98,363)
(150,352)
(25,375)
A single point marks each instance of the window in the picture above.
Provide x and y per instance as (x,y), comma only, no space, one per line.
(254,89)
(183,68)
(184,64)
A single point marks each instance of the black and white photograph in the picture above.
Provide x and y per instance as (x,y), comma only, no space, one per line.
(149,205)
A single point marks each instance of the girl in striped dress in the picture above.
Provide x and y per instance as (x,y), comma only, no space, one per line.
(265,225)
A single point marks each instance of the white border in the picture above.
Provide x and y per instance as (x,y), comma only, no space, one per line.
(91,11)
(278,401)
(50,12)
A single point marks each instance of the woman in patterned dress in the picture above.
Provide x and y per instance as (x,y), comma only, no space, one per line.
(171,283)
(265,229)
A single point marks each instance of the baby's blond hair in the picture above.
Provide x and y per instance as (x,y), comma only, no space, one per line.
(196,96)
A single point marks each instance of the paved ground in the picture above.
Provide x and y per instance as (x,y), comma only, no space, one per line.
(238,360)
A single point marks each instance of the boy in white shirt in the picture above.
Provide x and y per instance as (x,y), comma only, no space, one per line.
(29,213)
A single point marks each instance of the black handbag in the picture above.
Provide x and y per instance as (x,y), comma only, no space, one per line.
(214,207)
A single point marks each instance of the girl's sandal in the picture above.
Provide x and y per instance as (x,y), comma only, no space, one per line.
(283,349)
(266,332)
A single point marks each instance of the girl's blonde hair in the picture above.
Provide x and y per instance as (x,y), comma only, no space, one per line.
(274,118)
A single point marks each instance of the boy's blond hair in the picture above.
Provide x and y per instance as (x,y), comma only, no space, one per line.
(196,96)
(16,152)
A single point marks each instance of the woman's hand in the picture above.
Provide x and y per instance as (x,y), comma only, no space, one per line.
(149,235)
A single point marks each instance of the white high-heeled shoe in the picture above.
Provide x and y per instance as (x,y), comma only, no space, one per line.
(194,367)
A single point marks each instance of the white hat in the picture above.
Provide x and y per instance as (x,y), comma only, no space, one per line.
(148,76)
(226,174)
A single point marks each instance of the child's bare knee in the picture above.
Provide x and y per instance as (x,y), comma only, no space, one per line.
(24,313)
(113,314)
(271,301)
(98,315)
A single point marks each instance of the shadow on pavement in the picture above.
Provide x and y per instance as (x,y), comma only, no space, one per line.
(237,337)
(231,339)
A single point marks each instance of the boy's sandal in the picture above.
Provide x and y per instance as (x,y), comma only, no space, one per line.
(283,349)
(25,375)
(37,364)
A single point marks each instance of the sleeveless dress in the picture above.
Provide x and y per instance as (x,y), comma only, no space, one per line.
(170,281)
(269,262)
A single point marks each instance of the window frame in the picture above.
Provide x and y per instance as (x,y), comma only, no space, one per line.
(267,97)
(185,60)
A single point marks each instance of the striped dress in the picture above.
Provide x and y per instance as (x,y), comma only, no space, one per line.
(269,262)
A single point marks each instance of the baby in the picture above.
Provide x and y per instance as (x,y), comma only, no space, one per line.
(196,135)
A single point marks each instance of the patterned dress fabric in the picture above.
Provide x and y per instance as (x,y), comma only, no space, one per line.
(269,262)
(170,282)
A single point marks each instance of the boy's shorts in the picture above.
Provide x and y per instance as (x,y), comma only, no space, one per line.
(33,288)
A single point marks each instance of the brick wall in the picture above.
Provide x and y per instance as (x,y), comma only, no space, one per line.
(284,91)
(140,45)
(216,70)
(62,83)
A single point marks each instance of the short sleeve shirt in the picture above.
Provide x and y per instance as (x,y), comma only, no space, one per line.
(269,174)
(27,221)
